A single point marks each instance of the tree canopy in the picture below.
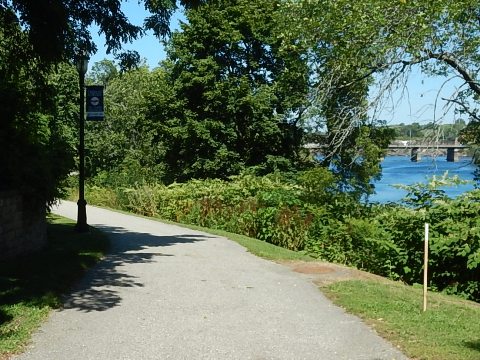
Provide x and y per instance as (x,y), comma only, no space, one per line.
(241,84)
(360,52)
(58,29)
(125,147)
(382,41)
(38,93)
(236,95)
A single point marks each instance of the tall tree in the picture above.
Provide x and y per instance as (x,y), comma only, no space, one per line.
(373,44)
(354,144)
(102,72)
(124,148)
(240,97)
(36,151)
(35,37)
(58,29)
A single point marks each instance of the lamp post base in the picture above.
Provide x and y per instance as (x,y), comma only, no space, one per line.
(82,225)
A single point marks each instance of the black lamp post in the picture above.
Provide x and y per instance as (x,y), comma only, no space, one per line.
(82,226)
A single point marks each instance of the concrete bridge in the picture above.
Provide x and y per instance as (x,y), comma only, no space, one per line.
(453,150)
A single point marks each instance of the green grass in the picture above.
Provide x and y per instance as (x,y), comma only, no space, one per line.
(31,286)
(257,247)
(448,330)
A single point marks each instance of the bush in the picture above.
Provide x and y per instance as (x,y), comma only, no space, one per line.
(454,260)
(309,213)
(362,243)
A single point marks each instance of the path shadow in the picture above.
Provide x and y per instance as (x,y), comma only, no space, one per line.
(99,289)
(474,345)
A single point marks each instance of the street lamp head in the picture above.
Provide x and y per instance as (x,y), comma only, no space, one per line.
(82,63)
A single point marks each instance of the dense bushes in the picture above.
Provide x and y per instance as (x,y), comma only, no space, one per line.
(454,243)
(307,212)
(362,243)
(261,207)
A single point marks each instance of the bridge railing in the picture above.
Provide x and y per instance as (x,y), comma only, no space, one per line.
(452,150)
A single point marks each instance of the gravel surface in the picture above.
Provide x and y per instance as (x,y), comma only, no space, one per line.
(166,292)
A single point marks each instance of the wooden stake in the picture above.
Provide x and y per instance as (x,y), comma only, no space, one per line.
(425,270)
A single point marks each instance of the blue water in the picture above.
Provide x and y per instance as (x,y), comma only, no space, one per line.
(400,170)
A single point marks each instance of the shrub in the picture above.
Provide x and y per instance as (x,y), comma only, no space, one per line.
(362,243)
(296,214)
(454,260)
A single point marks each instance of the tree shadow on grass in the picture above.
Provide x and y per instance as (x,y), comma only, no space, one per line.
(99,290)
(474,345)
(4,318)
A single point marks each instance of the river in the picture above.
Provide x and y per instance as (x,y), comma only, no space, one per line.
(400,170)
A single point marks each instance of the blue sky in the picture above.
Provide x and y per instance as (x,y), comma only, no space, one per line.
(149,47)
(420,102)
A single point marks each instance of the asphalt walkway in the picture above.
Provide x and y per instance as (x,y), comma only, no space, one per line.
(166,292)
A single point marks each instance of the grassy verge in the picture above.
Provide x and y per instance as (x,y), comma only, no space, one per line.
(32,285)
(257,247)
(448,330)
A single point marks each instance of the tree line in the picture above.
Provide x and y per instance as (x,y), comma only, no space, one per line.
(242,85)
(431,131)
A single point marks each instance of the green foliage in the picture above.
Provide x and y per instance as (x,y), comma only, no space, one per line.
(261,207)
(424,195)
(222,103)
(232,95)
(358,159)
(38,92)
(416,131)
(37,151)
(318,185)
(58,34)
(360,52)
(362,243)
(124,149)
(454,238)
(308,211)
(102,72)
(233,103)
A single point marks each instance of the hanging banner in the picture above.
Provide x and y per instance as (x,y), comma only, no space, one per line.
(94,102)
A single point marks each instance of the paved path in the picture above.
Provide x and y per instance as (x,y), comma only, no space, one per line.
(166,292)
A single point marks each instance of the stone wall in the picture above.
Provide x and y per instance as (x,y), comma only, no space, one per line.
(22,229)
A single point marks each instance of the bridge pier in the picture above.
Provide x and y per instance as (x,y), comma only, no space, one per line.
(453,155)
(415,154)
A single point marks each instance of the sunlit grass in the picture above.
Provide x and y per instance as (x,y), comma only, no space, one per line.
(257,247)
